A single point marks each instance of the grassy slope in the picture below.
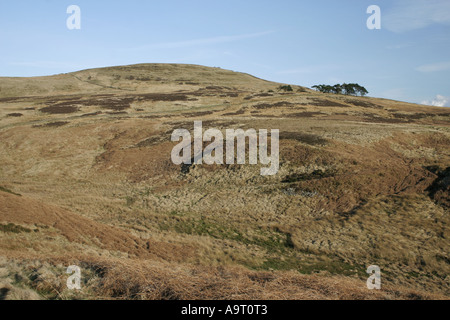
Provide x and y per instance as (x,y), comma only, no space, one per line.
(361,182)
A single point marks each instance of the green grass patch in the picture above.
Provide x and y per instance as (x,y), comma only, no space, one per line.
(278,246)
(334,267)
(270,240)
(285,263)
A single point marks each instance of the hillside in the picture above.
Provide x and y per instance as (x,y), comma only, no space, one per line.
(86,178)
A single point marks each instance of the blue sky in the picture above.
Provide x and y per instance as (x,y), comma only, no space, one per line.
(297,42)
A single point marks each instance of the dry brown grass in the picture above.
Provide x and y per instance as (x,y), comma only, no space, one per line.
(151,280)
(354,188)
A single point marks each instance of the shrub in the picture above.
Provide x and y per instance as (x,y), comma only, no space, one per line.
(287,88)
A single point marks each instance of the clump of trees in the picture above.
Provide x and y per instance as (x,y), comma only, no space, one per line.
(352,89)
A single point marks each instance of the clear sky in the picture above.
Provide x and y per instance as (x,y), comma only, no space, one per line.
(289,41)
